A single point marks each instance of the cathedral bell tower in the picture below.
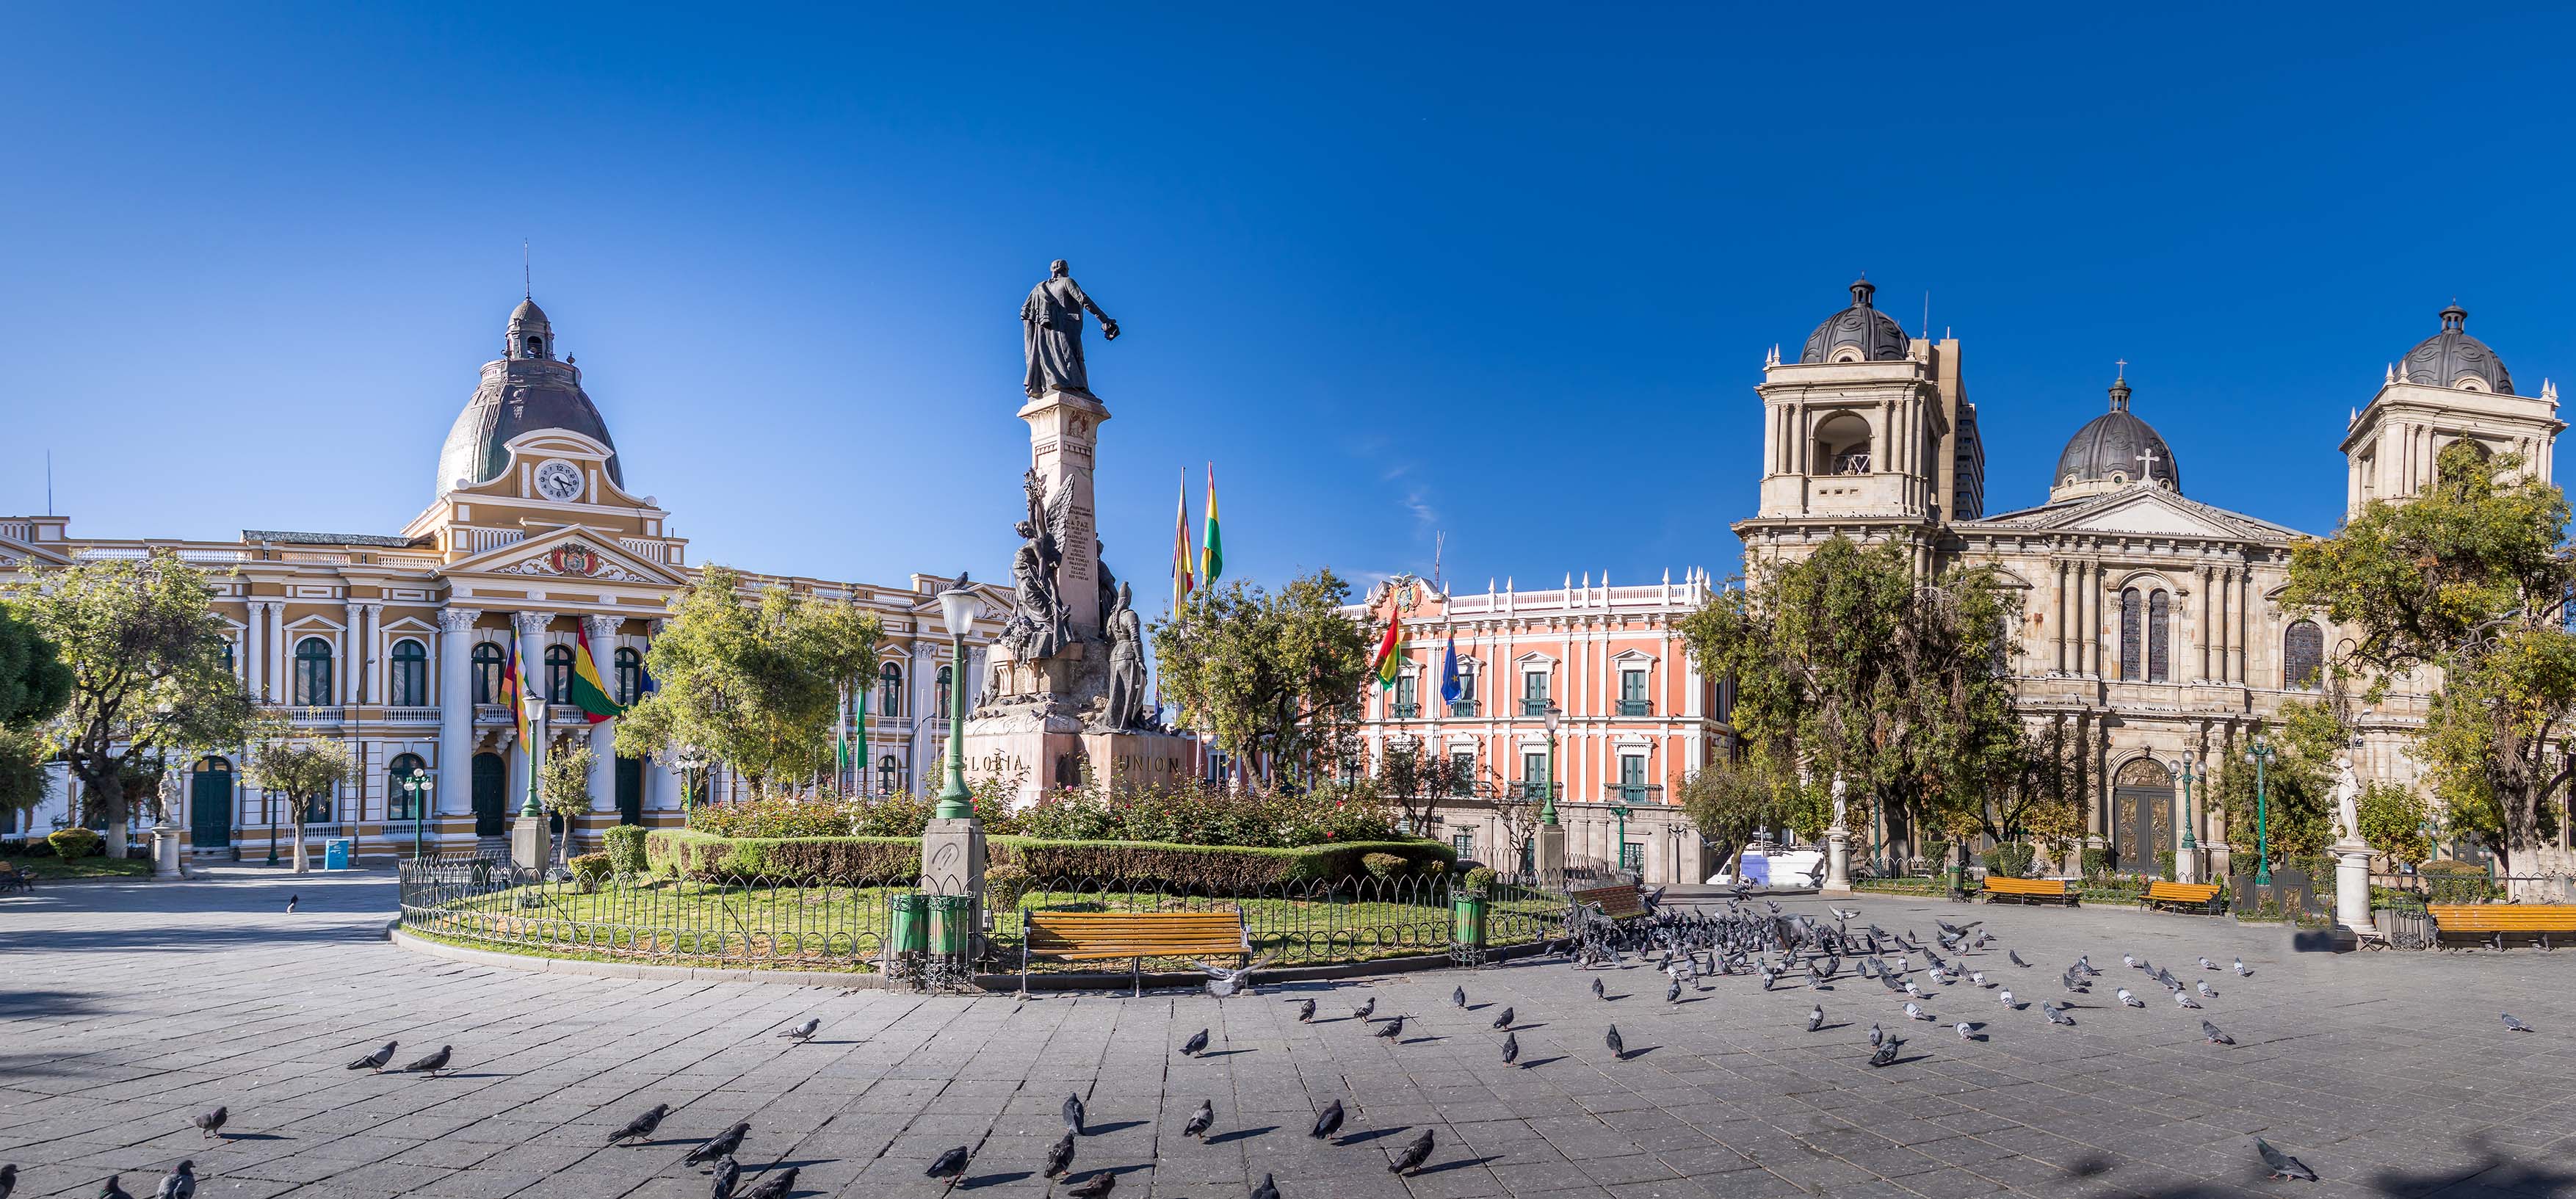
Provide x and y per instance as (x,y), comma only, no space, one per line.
(2449,388)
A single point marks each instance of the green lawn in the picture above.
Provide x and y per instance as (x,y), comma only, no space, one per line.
(47,866)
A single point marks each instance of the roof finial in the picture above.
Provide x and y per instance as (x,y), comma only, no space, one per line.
(2454,318)
(2120,388)
(527,289)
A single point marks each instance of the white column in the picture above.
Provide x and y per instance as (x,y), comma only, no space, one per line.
(281,683)
(456,710)
(254,646)
(353,652)
(603,735)
(377,669)
(525,764)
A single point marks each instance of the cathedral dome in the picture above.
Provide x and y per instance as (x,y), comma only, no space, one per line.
(2452,358)
(2112,451)
(522,391)
(1860,333)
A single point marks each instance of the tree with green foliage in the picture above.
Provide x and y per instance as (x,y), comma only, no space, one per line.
(307,772)
(1845,666)
(146,654)
(2297,809)
(2465,586)
(1730,801)
(2394,822)
(1276,679)
(563,789)
(35,686)
(1418,779)
(753,683)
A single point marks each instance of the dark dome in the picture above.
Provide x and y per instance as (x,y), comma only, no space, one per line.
(519,395)
(1873,335)
(2115,449)
(2451,356)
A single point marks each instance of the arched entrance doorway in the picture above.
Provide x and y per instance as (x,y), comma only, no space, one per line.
(210,804)
(491,792)
(630,790)
(2142,799)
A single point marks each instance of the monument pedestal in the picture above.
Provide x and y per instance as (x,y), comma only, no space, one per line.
(531,847)
(2352,888)
(1028,754)
(165,852)
(952,857)
(1550,858)
(1837,863)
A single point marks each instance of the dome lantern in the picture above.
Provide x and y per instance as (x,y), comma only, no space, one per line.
(2453,359)
(1860,333)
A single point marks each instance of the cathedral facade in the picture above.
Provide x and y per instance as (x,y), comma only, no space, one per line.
(395,643)
(2151,630)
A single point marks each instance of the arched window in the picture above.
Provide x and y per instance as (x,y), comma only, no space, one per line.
(487,672)
(945,680)
(630,677)
(1842,446)
(889,775)
(228,656)
(2131,618)
(536,347)
(407,679)
(2303,655)
(313,672)
(2159,619)
(402,803)
(558,674)
(890,691)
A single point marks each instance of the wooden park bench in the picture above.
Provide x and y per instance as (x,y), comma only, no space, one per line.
(2487,921)
(1108,936)
(2203,896)
(2029,890)
(1618,901)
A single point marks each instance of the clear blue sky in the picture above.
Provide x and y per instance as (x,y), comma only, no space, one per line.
(1504,272)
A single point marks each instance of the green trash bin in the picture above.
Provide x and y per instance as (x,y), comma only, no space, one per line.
(909,917)
(952,924)
(1467,919)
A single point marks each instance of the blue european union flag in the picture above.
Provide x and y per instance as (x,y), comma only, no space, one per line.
(1449,686)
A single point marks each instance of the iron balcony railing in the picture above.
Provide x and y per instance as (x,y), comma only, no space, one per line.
(1636,707)
(1534,707)
(1406,711)
(1533,792)
(1633,793)
(1464,707)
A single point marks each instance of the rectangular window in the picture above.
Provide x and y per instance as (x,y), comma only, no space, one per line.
(1534,693)
(1464,843)
(1632,694)
(1406,705)
(1632,855)
(1462,772)
(1534,774)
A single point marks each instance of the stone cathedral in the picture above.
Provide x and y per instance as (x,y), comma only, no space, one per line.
(2152,631)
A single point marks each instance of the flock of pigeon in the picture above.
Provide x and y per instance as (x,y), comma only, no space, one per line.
(1687,947)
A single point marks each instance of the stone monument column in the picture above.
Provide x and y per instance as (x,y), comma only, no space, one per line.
(2352,854)
(1064,431)
(1838,847)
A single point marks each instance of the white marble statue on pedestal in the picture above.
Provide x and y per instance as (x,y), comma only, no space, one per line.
(1838,845)
(2352,855)
(2347,794)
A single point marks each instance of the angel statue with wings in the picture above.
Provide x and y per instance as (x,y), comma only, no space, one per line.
(1038,618)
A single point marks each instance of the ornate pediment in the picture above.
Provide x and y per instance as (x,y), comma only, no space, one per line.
(2143,508)
(574,559)
(568,553)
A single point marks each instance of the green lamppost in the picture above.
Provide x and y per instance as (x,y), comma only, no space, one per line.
(1547,797)
(2190,841)
(2260,754)
(1620,859)
(957,608)
(418,787)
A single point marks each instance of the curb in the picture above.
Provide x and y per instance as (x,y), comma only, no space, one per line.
(988,983)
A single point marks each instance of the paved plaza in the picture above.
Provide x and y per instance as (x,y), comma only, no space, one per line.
(126,1008)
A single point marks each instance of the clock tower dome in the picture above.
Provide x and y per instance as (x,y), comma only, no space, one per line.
(524,390)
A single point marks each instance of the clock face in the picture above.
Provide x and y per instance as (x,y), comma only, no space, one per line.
(558,480)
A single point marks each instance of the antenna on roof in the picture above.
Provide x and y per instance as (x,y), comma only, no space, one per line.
(1927,314)
(49,480)
(527,289)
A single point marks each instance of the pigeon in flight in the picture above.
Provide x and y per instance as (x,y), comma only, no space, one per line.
(1269,1188)
(1504,1020)
(179,1183)
(1416,1152)
(1511,1048)
(1886,1053)
(1328,1121)
(803,1032)
(727,1173)
(1915,1012)
(2282,1165)
(776,1186)
(1306,1012)
(1072,1111)
(2015,957)
(1095,1186)
(209,1124)
(1200,1121)
(2513,1025)
(2210,1033)
(1059,1156)
(1815,1017)
(1458,998)
(641,1126)
(1876,1037)
(723,1145)
(950,1165)
(1197,1042)
(431,1064)
(2131,1000)
(376,1060)
(1226,983)
(1392,1029)
(1618,1048)
(1366,1010)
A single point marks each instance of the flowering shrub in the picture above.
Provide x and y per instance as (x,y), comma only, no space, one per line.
(1191,814)
(830,816)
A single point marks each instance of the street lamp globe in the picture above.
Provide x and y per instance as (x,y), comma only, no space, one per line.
(1547,717)
(957,609)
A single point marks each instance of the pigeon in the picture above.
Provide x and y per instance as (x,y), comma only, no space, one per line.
(208,1123)
(8,1180)
(1618,1048)
(1966,1031)
(431,1064)
(1328,1121)
(2282,1165)
(2241,970)
(1913,990)
(1269,1188)
(1197,1042)
(775,1186)
(1392,1028)
(1059,1156)
(179,1183)
(1073,1111)
(2015,957)
(2182,1000)
(2084,964)
(728,1172)
(1306,1012)
(376,1060)
(1840,914)
(1915,1012)
(803,1032)
(1095,1186)
(1200,1121)
(1226,983)
(291,901)
(1596,990)
(2131,1000)
(1886,1053)
(1366,1010)
(2008,1001)
(2130,962)
(2057,1015)
(2206,964)
(722,1145)
(2210,1033)
(1458,998)
(1511,1048)
(113,1188)
(1504,1020)
(2207,991)
(1876,1037)
(1416,1152)
(2513,1025)
(1815,1017)
(641,1126)
(1977,978)
(950,1165)
(1673,993)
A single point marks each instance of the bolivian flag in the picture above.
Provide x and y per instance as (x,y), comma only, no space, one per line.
(1390,650)
(589,693)
(1212,548)
(514,690)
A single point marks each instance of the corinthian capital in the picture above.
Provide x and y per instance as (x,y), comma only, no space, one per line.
(531,624)
(457,620)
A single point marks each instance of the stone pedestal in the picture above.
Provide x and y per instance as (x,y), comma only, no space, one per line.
(1029,755)
(165,852)
(1837,863)
(2352,888)
(2187,865)
(531,847)
(1064,429)
(952,857)
(1550,858)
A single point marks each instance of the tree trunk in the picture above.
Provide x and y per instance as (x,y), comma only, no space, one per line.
(300,806)
(110,791)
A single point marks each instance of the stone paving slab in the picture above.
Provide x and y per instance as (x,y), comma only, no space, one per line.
(127,1007)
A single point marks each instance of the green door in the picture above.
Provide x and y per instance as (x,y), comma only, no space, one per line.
(630,790)
(491,793)
(210,805)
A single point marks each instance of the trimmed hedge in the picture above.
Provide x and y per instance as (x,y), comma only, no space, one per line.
(858,861)
(625,849)
(73,843)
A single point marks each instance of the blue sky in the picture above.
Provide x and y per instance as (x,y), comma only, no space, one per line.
(1507,273)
